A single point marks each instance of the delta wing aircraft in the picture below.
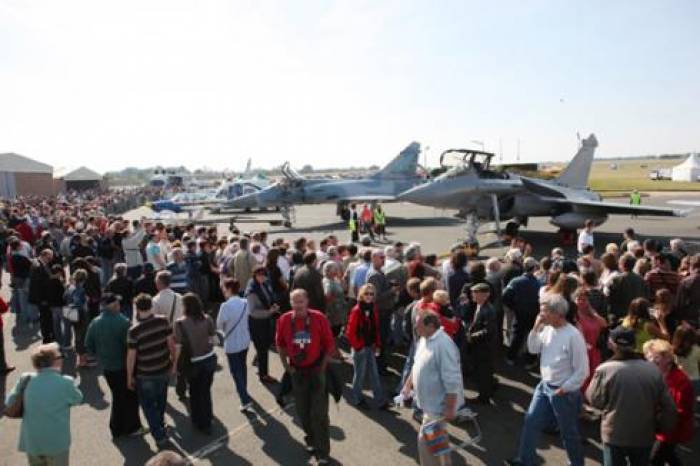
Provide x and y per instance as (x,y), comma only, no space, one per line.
(398,176)
(480,193)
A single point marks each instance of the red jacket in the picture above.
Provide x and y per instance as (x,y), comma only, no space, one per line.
(3,309)
(310,342)
(357,320)
(682,393)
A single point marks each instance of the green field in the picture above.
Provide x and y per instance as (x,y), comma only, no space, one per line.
(634,173)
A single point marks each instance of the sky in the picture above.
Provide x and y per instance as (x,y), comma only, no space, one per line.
(111,84)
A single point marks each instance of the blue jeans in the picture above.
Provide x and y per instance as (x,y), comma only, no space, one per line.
(239,372)
(619,456)
(153,396)
(20,300)
(364,362)
(107,266)
(546,408)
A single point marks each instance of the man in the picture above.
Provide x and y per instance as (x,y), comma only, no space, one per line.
(482,338)
(305,344)
(494,277)
(627,236)
(150,361)
(522,297)
(308,278)
(353,225)
(359,277)
(39,293)
(661,276)
(586,236)
(146,283)
(243,263)
(557,398)
(106,339)
(623,289)
(167,303)
(155,255)
(688,298)
(385,299)
(380,221)
(178,271)
(514,265)
(132,250)
(635,402)
(436,380)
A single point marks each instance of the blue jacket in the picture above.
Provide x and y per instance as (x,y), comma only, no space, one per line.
(522,295)
(48,398)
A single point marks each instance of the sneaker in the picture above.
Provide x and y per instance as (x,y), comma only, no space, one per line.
(140,432)
(246,406)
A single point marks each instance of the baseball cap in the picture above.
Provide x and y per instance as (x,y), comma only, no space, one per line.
(623,337)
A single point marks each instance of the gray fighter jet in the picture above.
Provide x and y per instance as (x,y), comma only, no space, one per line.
(480,193)
(398,176)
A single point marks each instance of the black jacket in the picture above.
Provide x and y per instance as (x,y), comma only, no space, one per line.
(39,284)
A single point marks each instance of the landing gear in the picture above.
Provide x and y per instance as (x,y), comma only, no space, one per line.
(289,215)
(472,227)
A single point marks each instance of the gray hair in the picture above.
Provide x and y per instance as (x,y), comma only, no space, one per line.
(493,264)
(390,251)
(329,267)
(556,304)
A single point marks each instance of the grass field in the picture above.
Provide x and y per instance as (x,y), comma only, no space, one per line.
(631,174)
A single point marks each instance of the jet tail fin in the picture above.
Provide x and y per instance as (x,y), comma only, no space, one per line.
(247,167)
(576,173)
(403,165)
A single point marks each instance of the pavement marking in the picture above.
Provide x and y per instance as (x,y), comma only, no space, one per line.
(198,455)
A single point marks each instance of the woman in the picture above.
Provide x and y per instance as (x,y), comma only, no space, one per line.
(194,339)
(660,352)
(76,298)
(591,324)
(688,354)
(663,312)
(610,269)
(232,323)
(596,297)
(565,287)
(262,308)
(639,320)
(48,396)
(457,276)
(279,283)
(336,305)
(362,332)
(123,286)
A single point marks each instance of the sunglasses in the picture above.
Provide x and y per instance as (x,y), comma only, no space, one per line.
(369,294)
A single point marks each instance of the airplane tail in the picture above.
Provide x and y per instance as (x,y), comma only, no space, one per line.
(403,165)
(576,173)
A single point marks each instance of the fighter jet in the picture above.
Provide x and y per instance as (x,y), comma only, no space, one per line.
(480,193)
(398,176)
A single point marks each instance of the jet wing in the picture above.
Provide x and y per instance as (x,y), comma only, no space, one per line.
(618,208)
(368,198)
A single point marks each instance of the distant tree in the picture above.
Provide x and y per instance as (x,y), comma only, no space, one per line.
(307,168)
(373,167)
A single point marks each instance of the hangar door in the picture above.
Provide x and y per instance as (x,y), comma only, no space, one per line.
(8,190)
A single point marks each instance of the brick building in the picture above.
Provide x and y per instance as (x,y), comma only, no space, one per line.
(22,176)
(79,179)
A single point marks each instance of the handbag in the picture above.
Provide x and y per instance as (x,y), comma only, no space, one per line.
(222,336)
(16,409)
(71,313)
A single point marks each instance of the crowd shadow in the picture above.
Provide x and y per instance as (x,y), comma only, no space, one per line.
(23,337)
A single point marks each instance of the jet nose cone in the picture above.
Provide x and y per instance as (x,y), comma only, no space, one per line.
(247,201)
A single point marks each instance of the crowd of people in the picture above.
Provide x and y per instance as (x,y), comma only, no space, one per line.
(614,333)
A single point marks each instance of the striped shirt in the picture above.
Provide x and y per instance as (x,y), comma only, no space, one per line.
(149,337)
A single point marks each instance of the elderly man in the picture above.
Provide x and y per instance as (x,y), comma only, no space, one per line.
(521,296)
(305,344)
(632,394)
(39,293)
(178,271)
(436,379)
(386,294)
(557,398)
(482,338)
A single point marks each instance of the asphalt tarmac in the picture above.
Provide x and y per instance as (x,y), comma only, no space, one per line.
(271,436)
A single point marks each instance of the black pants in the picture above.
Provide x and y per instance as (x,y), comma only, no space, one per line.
(261,333)
(46,324)
(3,361)
(200,378)
(665,453)
(523,325)
(482,363)
(124,416)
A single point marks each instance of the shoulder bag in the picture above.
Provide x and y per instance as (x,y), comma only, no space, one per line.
(222,336)
(16,409)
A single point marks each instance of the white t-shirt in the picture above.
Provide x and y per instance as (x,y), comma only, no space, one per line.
(163,304)
(563,355)
(584,238)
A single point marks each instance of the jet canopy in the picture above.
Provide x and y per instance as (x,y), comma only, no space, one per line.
(457,162)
